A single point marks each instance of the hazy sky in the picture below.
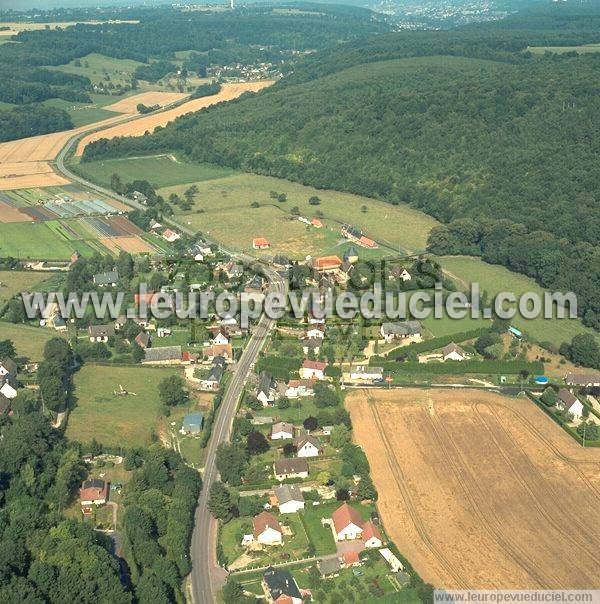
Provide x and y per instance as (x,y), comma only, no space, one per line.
(27,4)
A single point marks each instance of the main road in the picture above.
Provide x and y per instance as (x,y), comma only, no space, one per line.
(206,576)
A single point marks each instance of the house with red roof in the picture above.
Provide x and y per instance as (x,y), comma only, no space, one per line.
(371,535)
(260,243)
(93,492)
(347,523)
(312,370)
(327,264)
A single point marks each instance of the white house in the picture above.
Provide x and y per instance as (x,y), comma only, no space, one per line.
(170,236)
(316,331)
(312,370)
(8,386)
(453,352)
(567,401)
(289,498)
(347,523)
(7,366)
(266,529)
(290,467)
(308,446)
(298,388)
(281,431)
(371,535)
(366,372)
(266,391)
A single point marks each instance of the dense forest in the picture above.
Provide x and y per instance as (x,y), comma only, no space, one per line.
(31,120)
(467,125)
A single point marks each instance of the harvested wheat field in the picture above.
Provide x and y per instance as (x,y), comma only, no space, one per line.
(31,181)
(129,105)
(481,491)
(10,214)
(150,122)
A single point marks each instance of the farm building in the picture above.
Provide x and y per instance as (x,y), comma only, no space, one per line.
(327,264)
(366,372)
(163,355)
(407,330)
(108,278)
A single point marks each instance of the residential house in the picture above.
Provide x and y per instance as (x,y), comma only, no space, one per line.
(218,350)
(281,261)
(407,330)
(329,567)
(163,355)
(282,430)
(192,423)
(399,273)
(93,491)
(351,255)
(298,388)
(7,365)
(260,243)
(350,232)
(327,264)
(266,529)
(453,352)
(4,404)
(316,223)
(266,391)
(312,345)
(347,523)
(308,446)
(109,278)
(292,467)
(170,235)
(587,380)
(313,370)
(567,401)
(289,498)
(371,535)
(366,242)
(280,587)
(8,385)
(100,333)
(366,372)
(233,270)
(143,340)
(315,331)
(140,198)
(163,332)
(213,380)
(219,337)
(350,559)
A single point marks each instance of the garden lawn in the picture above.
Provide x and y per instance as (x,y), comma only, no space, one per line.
(115,420)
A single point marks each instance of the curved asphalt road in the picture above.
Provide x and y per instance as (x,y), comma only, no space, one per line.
(206,576)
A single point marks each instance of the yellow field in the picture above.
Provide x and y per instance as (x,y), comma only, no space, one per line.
(150,122)
(129,105)
(15,28)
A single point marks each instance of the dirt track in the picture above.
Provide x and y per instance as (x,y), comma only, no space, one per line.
(481,491)
(150,122)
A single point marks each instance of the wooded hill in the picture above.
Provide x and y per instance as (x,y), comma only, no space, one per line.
(467,125)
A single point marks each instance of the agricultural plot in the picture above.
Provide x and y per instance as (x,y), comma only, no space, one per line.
(150,99)
(111,418)
(473,487)
(150,122)
(494,278)
(227,216)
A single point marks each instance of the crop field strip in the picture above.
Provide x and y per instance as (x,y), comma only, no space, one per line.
(466,530)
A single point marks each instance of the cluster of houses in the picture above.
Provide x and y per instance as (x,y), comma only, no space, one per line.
(8,383)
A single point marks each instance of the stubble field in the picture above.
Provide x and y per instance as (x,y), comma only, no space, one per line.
(481,491)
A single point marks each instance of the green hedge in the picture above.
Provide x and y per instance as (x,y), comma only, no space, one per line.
(460,367)
(433,344)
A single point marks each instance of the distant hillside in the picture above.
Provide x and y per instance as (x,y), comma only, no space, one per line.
(506,135)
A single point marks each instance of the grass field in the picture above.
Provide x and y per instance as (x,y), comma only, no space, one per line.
(161,171)
(29,341)
(112,419)
(227,217)
(38,241)
(98,68)
(83,114)
(584,49)
(12,282)
(469,485)
(494,278)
